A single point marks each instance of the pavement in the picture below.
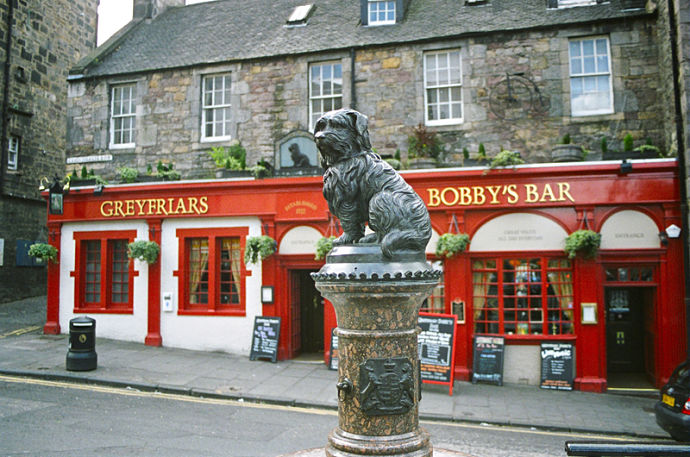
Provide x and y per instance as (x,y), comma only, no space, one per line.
(26,352)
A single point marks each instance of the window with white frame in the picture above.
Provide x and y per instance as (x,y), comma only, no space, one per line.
(325,90)
(122,115)
(381,12)
(443,87)
(215,110)
(12,152)
(591,90)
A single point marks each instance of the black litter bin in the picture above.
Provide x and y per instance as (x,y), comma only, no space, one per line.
(82,343)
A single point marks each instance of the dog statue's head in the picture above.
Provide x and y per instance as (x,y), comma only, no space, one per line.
(341,134)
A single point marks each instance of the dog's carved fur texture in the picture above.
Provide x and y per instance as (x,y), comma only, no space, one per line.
(361,188)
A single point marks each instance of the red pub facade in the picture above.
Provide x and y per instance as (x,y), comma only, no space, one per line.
(623,310)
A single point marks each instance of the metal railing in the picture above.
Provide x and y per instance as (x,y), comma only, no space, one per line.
(608,449)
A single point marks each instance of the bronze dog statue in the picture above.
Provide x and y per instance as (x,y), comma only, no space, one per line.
(361,188)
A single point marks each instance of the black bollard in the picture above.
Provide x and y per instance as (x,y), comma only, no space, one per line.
(82,343)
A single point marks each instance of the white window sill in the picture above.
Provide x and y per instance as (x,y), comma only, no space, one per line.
(444,122)
(122,146)
(215,139)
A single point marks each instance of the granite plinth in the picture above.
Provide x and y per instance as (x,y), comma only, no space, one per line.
(321,452)
(377,301)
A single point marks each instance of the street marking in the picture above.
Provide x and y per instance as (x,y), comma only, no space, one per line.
(20,331)
(317,411)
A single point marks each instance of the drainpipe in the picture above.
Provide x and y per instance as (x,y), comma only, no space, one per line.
(682,170)
(5,97)
(353,91)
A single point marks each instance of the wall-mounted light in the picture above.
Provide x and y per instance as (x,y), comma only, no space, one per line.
(98,190)
(626,167)
(267,294)
(55,197)
(664,238)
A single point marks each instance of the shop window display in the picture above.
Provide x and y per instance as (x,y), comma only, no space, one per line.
(520,296)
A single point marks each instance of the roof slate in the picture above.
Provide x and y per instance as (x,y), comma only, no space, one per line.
(236,30)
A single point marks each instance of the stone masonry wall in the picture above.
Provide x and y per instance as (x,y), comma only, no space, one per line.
(270,100)
(47,39)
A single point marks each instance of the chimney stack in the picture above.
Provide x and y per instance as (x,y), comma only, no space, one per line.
(149,9)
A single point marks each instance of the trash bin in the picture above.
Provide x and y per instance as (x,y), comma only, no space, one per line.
(82,343)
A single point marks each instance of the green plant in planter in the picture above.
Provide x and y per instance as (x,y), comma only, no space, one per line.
(566,139)
(259,248)
(450,244)
(628,143)
(604,145)
(146,251)
(128,175)
(323,247)
(583,242)
(44,252)
(233,157)
(423,143)
(506,158)
(395,163)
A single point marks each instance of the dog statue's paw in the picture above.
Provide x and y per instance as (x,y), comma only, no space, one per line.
(370,238)
(345,238)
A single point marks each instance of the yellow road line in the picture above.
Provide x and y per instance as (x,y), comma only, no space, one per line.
(20,331)
(317,411)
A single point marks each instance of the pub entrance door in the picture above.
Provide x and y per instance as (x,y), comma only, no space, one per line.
(306,315)
(630,337)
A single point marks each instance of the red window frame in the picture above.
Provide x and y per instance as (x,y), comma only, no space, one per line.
(535,316)
(213,278)
(100,300)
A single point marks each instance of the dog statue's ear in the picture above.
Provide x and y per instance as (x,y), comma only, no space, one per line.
(360,122)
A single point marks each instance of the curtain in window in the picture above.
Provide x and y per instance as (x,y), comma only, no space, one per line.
(232,246)
(198,265)
(481,282)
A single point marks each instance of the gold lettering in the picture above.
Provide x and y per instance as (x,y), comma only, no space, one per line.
(140,205)
(479,197)
(531,194)
(152,206)
(511,190)
(170,205)
(192,205)
(455,194)
(434,199)
(129,205)
(465,196)
(493,190)
(160,206)
(180,207)
(109,211)
(547,191)
(563,190)
(118,209)
(204,205)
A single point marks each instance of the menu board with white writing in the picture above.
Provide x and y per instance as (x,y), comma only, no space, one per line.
(487,365)
(557,366)
(436,348)
(265,338)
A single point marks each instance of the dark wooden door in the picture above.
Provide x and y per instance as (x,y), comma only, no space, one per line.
(307,314)
(625,329)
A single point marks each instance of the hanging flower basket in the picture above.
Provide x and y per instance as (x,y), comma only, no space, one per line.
(146,251)
(43,252)
(323,247)
(451,244)
(259,248)
(584,243)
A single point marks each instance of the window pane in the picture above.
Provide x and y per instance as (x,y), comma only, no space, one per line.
(229,270)
(576,66)
(587,47)
(602,64)
(601,46)
(197,266)
(589,65)
(575,48)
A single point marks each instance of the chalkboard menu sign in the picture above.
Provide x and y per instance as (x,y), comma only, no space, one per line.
(436,348)
(265,338)
(333,357)
(487,365)
(557,366)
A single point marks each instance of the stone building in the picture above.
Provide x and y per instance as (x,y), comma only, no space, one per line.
(497,73)
(39,42)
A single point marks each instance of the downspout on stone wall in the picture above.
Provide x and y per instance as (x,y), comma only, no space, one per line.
(5,97)
(682,162)
(353,90)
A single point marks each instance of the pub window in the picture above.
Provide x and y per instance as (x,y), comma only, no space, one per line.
(12,152)
(122,116)
(522,296)
(629,274)
(436,301)
(215,110)
(325,90)
(443,87)
(104,272)
(212,275)
(591,91)
(381,12)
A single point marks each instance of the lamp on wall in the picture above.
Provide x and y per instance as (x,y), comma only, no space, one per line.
(55,197)
(626,167)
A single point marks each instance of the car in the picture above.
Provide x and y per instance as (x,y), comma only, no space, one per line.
(672,411)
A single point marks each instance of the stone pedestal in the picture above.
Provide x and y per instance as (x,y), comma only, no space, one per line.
(377,301)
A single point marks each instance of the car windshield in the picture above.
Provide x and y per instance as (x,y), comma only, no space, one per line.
(681,375)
